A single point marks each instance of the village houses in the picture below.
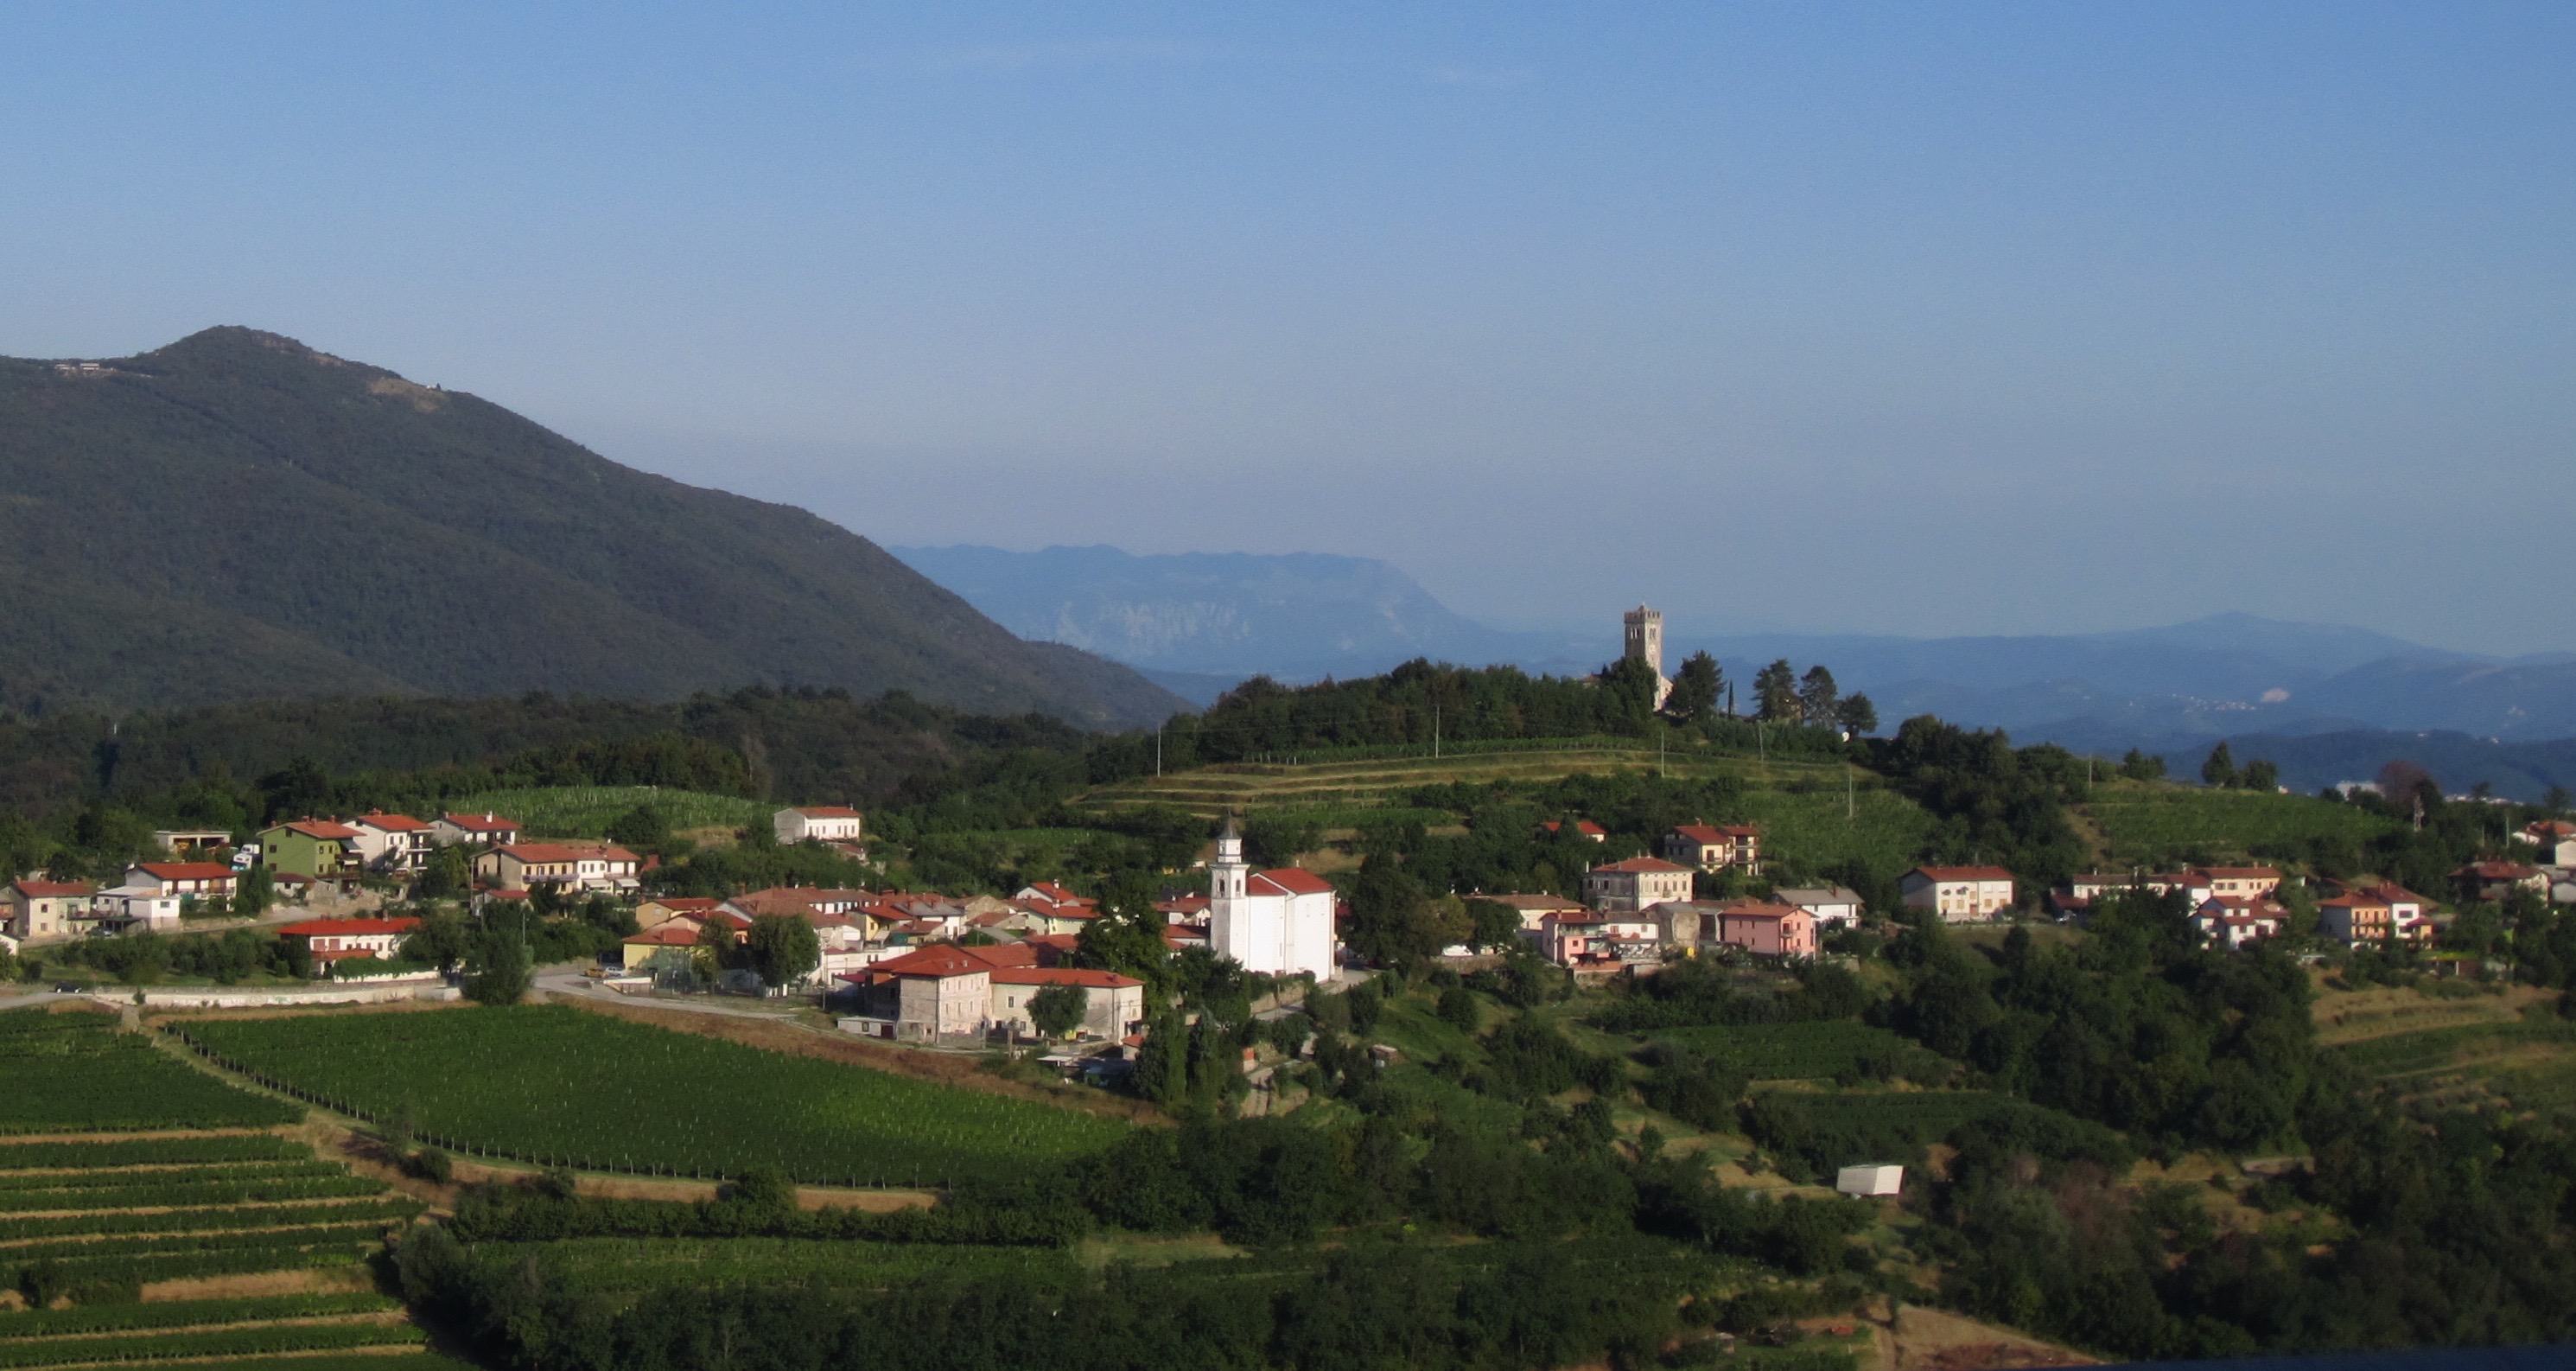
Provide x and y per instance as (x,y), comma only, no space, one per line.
(475,830)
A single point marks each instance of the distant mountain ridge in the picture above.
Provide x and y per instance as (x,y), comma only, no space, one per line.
(1204,620)
(237,515)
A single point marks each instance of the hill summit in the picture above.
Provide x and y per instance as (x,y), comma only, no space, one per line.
(238,515)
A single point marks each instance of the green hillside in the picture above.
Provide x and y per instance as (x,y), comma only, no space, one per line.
(287,522)
(2146,824)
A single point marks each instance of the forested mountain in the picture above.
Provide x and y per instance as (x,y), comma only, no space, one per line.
(238,515)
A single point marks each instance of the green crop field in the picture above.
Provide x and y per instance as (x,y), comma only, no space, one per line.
(1803,1051)
(2155,824)
(585,811)
(74,1073)
(557,1085)
(649,1263)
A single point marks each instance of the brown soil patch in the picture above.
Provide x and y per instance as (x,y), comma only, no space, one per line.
(372,1316)
(310,1281)
(942,1067)
(1930,1340)
(141,1133)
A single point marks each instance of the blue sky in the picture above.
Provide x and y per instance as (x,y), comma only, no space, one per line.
(1902,318)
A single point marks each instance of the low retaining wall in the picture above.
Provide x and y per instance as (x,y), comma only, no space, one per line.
(268,997)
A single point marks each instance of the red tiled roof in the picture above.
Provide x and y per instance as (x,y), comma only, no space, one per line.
(1289,880)
(686,904)
(392,823)
(187,871)
(1964,873)
(1719,833)
(663,935)
(829,812)
(1585,827)
(345,927)
(1184,905)
(938,961)
(328,830)
(1643,864)
(2500,871)
(1064,975)
(481,823)
(48,890)
(1054,894)
(2556,828)
(2240,873)
(1002,954)
(2352,902)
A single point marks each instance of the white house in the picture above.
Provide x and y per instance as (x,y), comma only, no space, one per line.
(141,905)
(487,829)
(392,842)
(2556,839)
(43,909)
(821,823)
(1278,922)
(1113,1005)
(1831,906)
(1959,894)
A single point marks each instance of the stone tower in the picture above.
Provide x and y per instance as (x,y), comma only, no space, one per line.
(1228,874)
(1646,644)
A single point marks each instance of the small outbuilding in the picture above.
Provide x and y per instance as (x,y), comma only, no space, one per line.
(1870,1179)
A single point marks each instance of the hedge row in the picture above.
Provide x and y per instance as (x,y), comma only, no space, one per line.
(12,1182)
(189,1242)
(212,1343)
(109,1318)
(182,1266)
(193,1220)
(217,1147)
(179,1193)
(516,1217)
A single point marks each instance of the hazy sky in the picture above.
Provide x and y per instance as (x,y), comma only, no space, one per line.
(1912,318)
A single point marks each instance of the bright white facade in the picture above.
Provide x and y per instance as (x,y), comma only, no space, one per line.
(1279,923)
(1870,1180)
(822,823)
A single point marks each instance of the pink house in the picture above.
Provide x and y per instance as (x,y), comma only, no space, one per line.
(1765,929)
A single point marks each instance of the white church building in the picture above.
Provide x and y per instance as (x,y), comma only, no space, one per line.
(1277,922)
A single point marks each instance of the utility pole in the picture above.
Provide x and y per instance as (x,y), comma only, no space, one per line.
(1851,807)
(1761,746)
(1435,732)
(1660,735)
(1158,752)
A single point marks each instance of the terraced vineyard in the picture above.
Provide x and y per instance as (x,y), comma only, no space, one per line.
(73,1072)
(104,1222)
(1209,790)
(649,1100)
(2529,1064)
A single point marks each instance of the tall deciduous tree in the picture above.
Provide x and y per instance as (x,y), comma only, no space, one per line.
(1058,1009)
(2220,769)
(1857,715)
(782,949)
(1775,692)
(2260,774)
(1818,696)
(1695,689)
(500,972)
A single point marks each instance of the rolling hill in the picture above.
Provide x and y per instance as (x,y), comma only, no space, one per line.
(237,515)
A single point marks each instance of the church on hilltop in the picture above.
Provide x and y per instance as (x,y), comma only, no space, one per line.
(1277,922)
(1645,643)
